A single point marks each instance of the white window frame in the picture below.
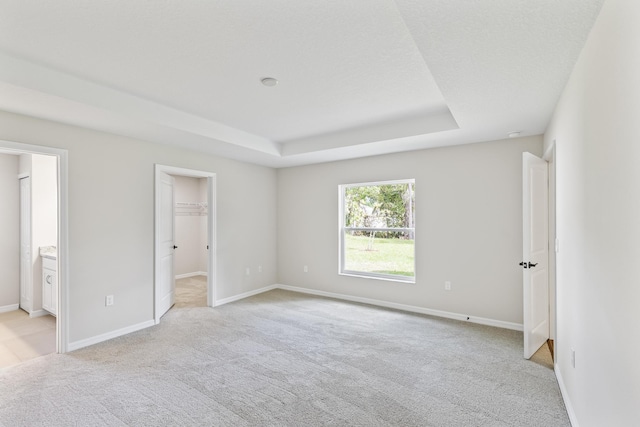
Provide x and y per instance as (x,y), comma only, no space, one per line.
(342,229)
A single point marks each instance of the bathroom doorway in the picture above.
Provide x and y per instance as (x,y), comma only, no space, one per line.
(31,252)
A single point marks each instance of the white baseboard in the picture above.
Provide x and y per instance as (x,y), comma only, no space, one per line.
(245,295)
(409,308)
(195,273)
(565,396)
(10,307)
(39,313)
(109,335)
(380,303)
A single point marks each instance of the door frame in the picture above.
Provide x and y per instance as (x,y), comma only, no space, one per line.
(63,318)
(550,157)
(211,231)
(26,280)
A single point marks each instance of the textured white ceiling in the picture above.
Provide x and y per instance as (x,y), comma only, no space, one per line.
(356,78)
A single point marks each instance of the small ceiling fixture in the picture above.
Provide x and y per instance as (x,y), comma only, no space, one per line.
(515,134)
(269,81)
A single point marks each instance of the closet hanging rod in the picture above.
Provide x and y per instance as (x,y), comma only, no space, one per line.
(191,204)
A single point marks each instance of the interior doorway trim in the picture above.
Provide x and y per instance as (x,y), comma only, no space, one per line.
(63,318)
(551,157)
(211,231)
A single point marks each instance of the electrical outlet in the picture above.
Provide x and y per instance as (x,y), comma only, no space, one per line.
(305,269)
(573,358)
(248,271)
(259,269)
(108,300)
(447,286)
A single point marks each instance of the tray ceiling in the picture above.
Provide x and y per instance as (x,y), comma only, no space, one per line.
(355,78)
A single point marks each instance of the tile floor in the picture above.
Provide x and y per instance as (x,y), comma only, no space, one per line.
(23,338)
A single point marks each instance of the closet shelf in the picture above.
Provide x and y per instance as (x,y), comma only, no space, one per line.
(191,208)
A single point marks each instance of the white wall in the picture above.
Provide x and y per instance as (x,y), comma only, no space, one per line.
(9,231)
(595,127)
(203,260)
(44,215)
(111,211)
(468,227)
(191,231)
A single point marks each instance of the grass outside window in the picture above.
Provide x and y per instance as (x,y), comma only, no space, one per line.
(392,256)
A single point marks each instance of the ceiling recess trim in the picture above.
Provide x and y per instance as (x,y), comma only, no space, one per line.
(25,74)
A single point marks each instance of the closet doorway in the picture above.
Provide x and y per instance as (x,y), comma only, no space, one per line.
(184,239)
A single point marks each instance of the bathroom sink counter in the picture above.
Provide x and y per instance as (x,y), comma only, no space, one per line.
(50,252)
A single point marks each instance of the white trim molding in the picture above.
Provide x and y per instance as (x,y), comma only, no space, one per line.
(195,273)
(246,295)
(8,308)
(211,231)
(38,313)
(63,317)
(379,303)
(403,307)
(109,335)
(565,397)
(409,308)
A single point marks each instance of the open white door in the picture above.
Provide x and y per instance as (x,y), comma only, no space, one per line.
(535,252)
(26,267)
(164,289)
(165,246)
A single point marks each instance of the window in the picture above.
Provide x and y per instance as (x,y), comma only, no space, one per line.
(377,230)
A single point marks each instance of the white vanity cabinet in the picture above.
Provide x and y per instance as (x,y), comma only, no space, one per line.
(49,285)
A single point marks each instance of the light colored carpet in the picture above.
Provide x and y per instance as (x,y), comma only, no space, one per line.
(191,292)
(286,359)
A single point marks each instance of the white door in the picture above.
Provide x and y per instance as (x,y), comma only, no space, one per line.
(26,270)
(166,245)
(535,252)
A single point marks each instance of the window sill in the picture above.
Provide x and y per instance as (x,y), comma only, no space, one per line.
(409,280)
